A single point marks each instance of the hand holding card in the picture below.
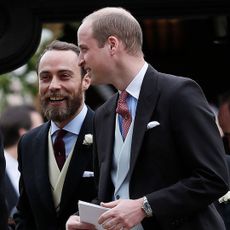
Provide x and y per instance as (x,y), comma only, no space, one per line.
(90,213)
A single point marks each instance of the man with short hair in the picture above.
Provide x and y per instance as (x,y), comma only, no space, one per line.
(55,161)
(15,121)
(159,157)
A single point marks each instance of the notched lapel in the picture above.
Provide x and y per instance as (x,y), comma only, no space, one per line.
(80,159)
(148,98)
(105,132)
(40,156)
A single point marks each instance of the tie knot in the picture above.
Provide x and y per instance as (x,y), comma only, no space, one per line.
(123,96)
(61,133)
(122,106)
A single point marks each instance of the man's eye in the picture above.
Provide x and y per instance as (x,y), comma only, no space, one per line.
(65,75)
(44,78)
(83,49)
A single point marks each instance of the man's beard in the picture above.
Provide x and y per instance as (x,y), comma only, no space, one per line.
(60,114)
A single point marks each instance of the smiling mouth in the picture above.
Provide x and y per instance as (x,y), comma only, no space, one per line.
(56,99)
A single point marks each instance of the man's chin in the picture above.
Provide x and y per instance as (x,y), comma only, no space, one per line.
(56,114)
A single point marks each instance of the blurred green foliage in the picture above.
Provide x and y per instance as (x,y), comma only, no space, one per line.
(21,86)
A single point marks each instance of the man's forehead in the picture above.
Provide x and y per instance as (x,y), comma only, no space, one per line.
(85,28)
(58,54)
(58,59)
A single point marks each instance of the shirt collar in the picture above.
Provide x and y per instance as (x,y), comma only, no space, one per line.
(134,86)
(74,125)
(10,159)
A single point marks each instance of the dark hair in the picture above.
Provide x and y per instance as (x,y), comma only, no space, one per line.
(12,119)
(60,45)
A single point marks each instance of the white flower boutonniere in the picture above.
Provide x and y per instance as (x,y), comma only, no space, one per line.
(225,198)
(88,140)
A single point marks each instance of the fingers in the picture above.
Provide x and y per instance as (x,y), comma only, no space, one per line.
(74,223)
(125,214)
(110,204)
(71,222)
(112,225)
(109,224)
(106,215)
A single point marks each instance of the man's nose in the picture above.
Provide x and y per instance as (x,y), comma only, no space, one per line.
(80,59)
(55,83)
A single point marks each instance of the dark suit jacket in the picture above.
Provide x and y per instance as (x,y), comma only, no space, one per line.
(3,209)
(179,165)
(11,195)
(224,208)
(35,207)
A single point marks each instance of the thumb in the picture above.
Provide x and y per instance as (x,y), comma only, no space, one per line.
(109,204)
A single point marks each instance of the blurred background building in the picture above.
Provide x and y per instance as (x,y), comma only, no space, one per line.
(188,38)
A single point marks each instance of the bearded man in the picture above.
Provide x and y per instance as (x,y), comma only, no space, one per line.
(55,161)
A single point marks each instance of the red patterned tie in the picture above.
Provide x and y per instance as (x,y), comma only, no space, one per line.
(59,148)
(123,110)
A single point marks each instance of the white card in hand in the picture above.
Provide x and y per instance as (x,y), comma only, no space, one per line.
(89,213)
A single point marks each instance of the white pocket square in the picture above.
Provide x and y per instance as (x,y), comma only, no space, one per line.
(88,174)
(152,124)
(225,198)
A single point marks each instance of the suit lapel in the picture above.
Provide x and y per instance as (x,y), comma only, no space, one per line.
(80,158)
(11,194)
(108,122)
(106,143)
(146,104)
(41,167)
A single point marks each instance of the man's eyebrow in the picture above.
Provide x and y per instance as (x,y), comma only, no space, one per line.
(65,70)
(59,71)
(43,72)
(82,46)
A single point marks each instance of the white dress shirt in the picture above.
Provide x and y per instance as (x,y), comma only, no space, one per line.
(12,171)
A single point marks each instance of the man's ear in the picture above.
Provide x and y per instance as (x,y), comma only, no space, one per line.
(86,81)
(113,43)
